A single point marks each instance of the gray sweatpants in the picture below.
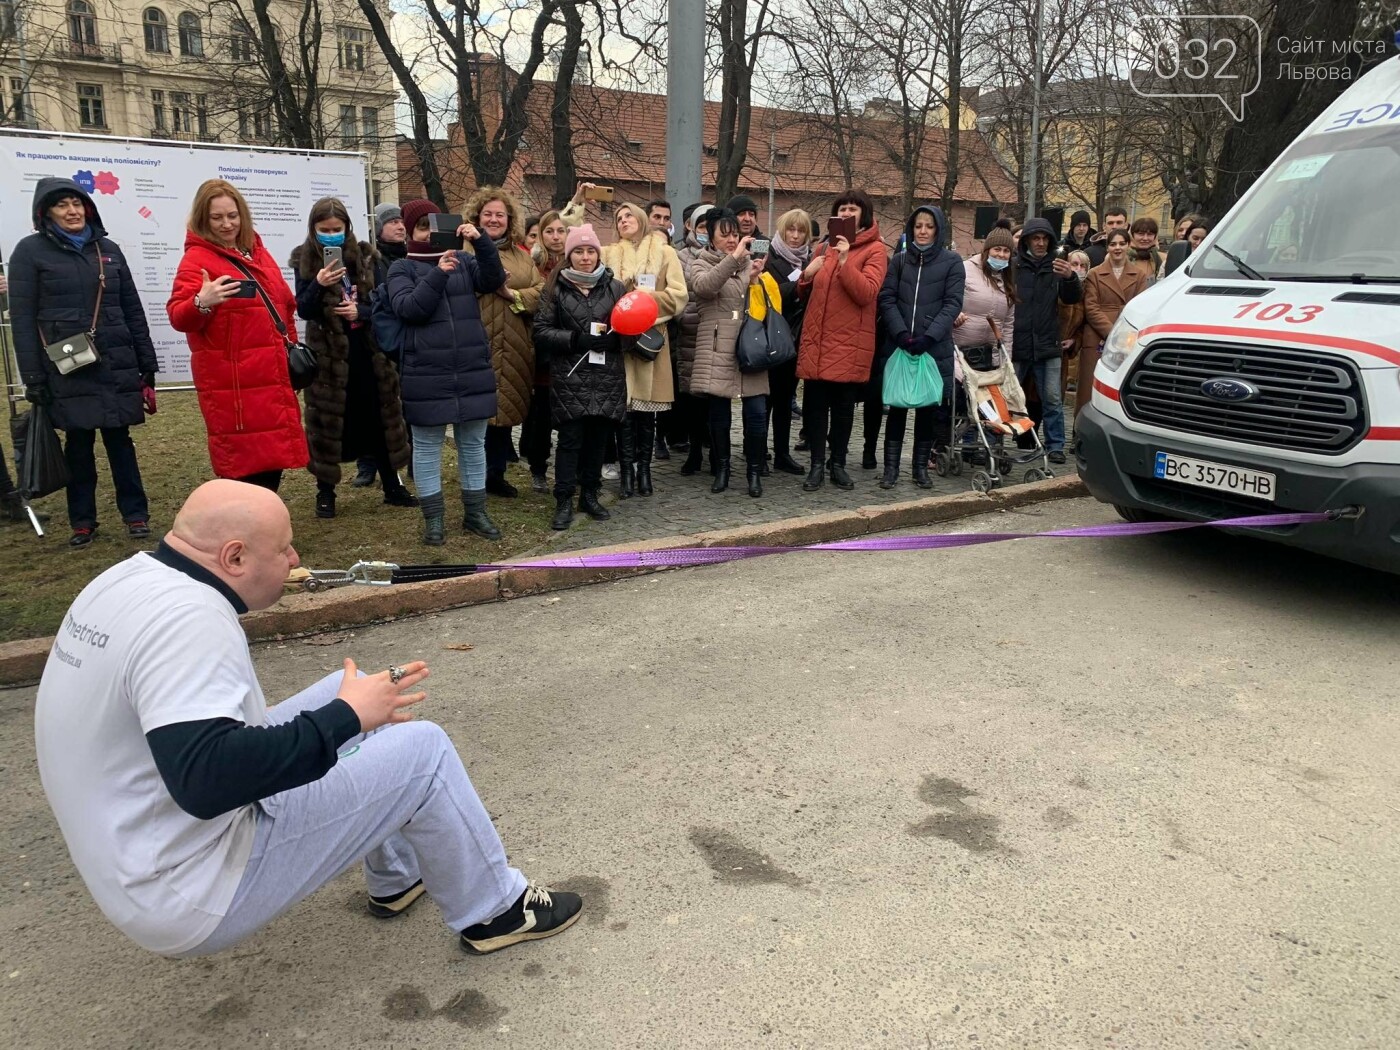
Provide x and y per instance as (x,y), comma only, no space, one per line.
(399,799)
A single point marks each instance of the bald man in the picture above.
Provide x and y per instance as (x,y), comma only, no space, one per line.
(196,814)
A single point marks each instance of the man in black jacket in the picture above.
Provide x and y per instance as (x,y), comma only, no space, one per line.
(196,815)
(1043,281)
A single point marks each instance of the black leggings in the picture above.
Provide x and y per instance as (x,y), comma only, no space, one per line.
(782,385)
(267,479)
(828,406)
(924,422)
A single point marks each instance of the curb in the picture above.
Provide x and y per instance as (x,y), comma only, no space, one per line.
(22,662)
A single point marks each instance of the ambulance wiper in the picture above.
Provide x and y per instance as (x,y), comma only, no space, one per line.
(1241,265)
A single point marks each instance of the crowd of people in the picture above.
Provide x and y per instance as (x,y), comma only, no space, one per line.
(505,322)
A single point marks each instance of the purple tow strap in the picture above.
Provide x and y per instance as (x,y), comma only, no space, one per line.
(926,541)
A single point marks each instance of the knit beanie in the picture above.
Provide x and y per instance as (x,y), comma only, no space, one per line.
(415,210)
(1078,217)
(579,237)
(1000,237)
(740,203)
(383,214)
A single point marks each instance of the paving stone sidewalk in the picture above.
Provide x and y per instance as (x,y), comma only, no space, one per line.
(684,505)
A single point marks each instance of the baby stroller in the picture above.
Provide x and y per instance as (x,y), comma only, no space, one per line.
(989,407)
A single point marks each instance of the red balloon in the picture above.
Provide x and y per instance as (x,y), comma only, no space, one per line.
(634,313)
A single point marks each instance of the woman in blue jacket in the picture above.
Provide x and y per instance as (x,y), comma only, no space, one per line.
(446,374)
(921,297)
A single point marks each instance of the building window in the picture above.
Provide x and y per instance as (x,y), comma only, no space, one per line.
(354,48)
(349,131)
(201,112)
(377,188)
(369,126)
(240,42)
(180,112)
(8,22)
(191,36)
(157,110)
(92,109)
(157,30)
(255,124)
(82,23)
(19,104)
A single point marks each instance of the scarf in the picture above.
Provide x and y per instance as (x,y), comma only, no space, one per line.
(77,240)
(583,280)
(796,257)
(392,250)
(501,243)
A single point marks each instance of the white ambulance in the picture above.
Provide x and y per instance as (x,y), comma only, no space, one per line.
(1263,376)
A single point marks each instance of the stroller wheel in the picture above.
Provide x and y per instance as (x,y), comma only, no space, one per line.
(955,464)
(1036,474)
(982,482)
(1004,465)
(941,463)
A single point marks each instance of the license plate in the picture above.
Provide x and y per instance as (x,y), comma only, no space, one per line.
(1222,477)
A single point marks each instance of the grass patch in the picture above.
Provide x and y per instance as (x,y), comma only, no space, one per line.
(40,578)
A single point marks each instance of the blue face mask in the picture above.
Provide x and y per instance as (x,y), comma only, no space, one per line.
(998,264)
(702,239)
(330,240)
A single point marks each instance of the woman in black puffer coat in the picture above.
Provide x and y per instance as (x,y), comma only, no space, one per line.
(919,301)
(587,377)
(445,373)
(54,282)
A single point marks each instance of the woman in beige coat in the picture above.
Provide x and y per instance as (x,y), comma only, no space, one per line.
(642,259)
(720,276)
(507,314)
(1107,289)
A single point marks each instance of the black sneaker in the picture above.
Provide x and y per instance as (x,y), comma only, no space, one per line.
(138,530)
(538,913)
(388,907)
(364,477)
(1057,456)
(82,537)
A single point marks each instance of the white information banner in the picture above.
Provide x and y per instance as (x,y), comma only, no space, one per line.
(143,189)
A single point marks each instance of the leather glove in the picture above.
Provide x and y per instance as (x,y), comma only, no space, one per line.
(38,394)
(148,379)
(906,340)
(922,345)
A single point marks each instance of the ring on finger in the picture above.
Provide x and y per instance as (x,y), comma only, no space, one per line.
(396,673)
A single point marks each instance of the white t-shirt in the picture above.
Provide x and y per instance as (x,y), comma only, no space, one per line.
(144,646)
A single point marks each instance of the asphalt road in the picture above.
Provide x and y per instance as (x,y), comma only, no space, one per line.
(1134,793)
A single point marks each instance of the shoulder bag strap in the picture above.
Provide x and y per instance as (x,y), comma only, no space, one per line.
(272,310)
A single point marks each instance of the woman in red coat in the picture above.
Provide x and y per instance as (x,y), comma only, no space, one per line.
(840,284)
(238,357)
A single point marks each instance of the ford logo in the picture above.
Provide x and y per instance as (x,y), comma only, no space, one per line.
(1229,389)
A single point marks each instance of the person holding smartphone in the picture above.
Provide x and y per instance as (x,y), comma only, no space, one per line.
(352,406)
(446,373)
(237,354)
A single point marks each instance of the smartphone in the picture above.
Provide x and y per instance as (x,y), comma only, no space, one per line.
(760,247)
(442,232)
(333,258)
(246,290)
(598,193)
(836,228)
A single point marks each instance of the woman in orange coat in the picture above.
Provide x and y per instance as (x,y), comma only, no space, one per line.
(840,284)
(1107,289)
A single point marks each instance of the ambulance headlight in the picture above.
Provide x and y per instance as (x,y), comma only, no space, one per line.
(1119,346)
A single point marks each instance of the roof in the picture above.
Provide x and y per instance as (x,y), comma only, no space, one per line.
(620,136)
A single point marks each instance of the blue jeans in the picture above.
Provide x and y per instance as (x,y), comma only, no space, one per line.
(471,456)
(1047,381)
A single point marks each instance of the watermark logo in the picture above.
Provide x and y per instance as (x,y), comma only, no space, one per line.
(1199,56)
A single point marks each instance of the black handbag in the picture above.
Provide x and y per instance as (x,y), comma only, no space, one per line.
(302,365)
(765,344)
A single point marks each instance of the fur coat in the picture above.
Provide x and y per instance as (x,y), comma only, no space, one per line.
(650,381)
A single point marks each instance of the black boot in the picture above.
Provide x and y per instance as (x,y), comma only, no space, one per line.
(839,477)
(497,485)
(694,460)
(646,444)
(325,501)
(719,454)
(475,519)
(922,451)
(588,503)
(782,460)
(432,508)
(395,495)
(891,475)
(365,473)
(873,416)
(816,476)
(563,512)
(626,458)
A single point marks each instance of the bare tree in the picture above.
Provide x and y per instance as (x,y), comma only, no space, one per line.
(739,53)
(561,108)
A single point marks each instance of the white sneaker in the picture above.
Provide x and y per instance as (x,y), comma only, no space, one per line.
(611,472)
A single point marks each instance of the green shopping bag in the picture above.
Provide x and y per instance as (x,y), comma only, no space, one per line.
(912,380)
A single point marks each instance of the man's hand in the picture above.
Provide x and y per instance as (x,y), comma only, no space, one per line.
(376,699)
(1062,269)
